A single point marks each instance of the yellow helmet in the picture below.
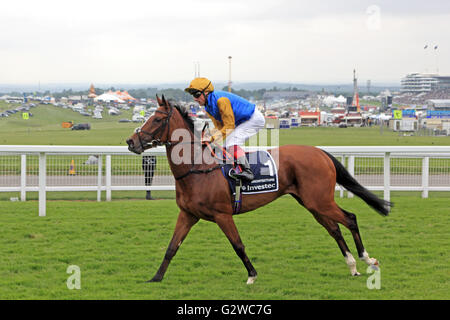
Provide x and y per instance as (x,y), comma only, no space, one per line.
(200,84)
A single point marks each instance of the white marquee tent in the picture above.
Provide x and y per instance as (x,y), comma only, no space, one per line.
(108,97)
(331,100)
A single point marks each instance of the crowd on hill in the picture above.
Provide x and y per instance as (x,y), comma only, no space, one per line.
(421,98)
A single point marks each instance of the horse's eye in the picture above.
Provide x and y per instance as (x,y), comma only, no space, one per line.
(157,120)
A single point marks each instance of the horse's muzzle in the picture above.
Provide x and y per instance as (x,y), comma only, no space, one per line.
(132,147)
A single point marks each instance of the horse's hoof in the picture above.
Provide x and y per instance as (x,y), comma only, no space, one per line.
(375,267)
(374,264)
(251,280)
(154,279)
(356,274)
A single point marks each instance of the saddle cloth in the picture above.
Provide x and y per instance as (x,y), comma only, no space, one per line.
(263,167)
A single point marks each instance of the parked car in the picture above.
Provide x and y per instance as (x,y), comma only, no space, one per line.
(82,126)
(137,118)
(113,112)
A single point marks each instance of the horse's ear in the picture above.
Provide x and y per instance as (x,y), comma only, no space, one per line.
(160,102)
(165,103)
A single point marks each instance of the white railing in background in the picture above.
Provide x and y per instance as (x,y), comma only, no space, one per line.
(47,168)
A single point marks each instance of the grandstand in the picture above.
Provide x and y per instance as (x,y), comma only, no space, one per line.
(424,82)
(439,104)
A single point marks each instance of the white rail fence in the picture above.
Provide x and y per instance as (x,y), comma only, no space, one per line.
(105,169)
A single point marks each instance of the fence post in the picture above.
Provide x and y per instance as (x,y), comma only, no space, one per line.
(341,188)
(351,170)
(425,176)
(387,176)
(23,177)
(42,184)
(99,178)
(108,177)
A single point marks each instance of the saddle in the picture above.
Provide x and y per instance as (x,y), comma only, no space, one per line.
(263,167)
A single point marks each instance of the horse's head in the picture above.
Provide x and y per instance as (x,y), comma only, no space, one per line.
(155,131)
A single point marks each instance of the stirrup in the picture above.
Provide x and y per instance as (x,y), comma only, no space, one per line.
(241,175)
(233,174)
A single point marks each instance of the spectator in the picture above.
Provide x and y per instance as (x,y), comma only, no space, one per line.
(149,167)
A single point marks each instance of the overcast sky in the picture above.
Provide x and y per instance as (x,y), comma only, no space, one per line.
(278,40)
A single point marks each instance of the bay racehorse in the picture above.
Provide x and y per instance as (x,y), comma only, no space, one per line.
(307,173)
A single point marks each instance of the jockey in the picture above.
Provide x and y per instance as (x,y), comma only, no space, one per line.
(235,120)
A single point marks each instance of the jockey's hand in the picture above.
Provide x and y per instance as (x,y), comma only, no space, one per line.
(206,138)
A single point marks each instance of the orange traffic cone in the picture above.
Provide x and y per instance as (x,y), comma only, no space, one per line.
(72,168)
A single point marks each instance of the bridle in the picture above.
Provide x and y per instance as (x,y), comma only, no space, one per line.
(157,141)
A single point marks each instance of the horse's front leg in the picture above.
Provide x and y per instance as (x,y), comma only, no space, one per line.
(226,223)
(184,224)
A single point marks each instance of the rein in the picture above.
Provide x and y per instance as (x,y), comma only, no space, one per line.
(198,171)
(219,166)
(193,171)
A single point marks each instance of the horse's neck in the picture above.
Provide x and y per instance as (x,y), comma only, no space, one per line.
(193,156)
(185,157)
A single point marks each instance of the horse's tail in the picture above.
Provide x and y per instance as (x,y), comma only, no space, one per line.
(344,178)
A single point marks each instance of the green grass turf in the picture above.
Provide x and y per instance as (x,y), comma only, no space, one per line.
(120,244)
(44,128)
(365,136)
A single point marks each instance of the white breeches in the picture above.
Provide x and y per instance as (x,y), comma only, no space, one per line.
(245,130)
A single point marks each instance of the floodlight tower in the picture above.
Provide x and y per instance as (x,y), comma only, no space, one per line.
(196,69)
(229,73)
(436,53)
(355,92)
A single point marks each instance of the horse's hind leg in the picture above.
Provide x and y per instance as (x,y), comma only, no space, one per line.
(334,230)
(339,215)
(226,223)
(328,221)
(353,227)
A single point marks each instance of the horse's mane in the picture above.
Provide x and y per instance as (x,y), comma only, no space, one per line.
(184,113)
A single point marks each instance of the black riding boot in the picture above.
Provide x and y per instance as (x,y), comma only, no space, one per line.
(246,174)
